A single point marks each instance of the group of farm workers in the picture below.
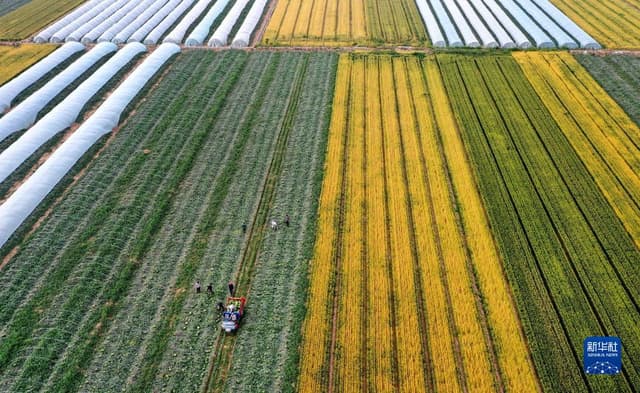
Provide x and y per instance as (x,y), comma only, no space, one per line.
(273,224)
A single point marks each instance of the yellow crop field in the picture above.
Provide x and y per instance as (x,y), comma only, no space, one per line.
(396,302)
(13,60)
(613,23)
(595,125)
(341,23)
(33,16)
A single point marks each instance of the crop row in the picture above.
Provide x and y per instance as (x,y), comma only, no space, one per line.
(397,273)
(569,260)
(333,22)
(614,23)
(26,20)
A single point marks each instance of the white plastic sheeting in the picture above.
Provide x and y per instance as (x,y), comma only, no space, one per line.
(66,112)
(140,20)
(492,23)
(585,40)
(541,39)
(110,21)
(467,34)
(518,36)
(45,34)
(24,115)
(167,22)
(243,36)
(447,25)
(221,35)
(63,33)
(177,34)
(149,25)
(561,37)
(430,21)
(201,31)
(10,90)
(126,19)
(478,25)
(29,195)
(80,31)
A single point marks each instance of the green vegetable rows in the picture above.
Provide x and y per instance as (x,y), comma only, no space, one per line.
(569,260)
(100,297)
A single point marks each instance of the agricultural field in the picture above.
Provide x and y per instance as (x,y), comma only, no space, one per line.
(7,6)
(340,23)
(404,286)
(619,76)
(605,138)
(28,19)
(572,266)
(161,207)
(14,60)
(614,23)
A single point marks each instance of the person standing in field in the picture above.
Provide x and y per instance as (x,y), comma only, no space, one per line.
(230,288)
(210,288)
(286,221)
(197,286)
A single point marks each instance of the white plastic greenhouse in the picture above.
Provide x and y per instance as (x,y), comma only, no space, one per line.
(584,39)
(541,39)
(29,195)
(149,25)
(10,90)
(243,36)
(201,31)
(126,19)
(492,23)
(221,35)
(64,114)
(24,114)
(167,22)
(478,25)
(516,33)
(467,34)
(560,36)
(97,31)
(447,25)
(45,34)
(139,20)
(431,23)
(177,34)
(78,33)
(63,33)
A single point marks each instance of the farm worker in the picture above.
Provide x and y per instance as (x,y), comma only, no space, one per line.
(210,288)
(286,221)
(230,288)
(197,286)
(220,307)
(244,228)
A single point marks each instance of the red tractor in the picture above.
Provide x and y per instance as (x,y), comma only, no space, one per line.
(232,314)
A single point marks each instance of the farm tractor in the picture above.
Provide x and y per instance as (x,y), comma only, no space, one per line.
(233,312)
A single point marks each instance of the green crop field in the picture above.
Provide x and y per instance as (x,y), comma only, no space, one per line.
(572,266)
(162,207)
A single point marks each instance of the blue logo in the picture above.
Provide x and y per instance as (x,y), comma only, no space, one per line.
(602,355)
